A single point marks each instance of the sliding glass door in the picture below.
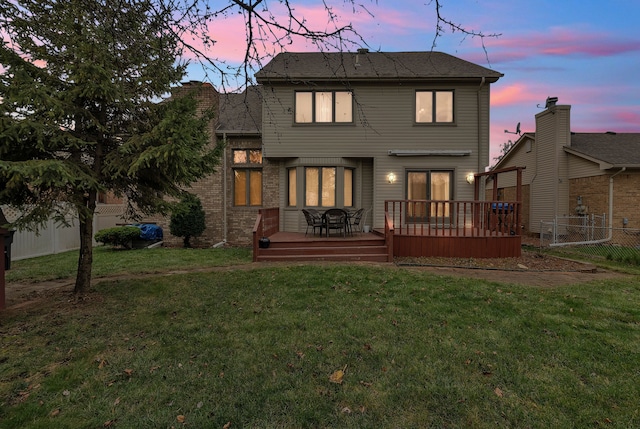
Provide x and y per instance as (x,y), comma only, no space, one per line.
(429,185)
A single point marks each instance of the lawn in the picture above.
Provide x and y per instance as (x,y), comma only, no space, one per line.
(340,346)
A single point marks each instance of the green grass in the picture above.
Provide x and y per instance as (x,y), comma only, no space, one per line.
(108,261)
(617,258)
(256,348)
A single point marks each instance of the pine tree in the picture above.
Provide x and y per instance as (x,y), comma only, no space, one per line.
(80,85)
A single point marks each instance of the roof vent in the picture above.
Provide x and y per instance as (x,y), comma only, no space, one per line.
(551,102)
(611,133)
(363,51)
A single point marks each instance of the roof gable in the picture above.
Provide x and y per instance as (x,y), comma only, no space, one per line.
(368,66)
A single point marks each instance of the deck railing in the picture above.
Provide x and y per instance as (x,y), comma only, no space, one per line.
(454,218)
(267,223)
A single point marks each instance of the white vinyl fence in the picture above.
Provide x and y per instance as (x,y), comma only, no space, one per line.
(56,238)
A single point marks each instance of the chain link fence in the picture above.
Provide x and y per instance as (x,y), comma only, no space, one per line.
(590,236)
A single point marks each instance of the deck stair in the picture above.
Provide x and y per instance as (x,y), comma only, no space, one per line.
(290,247)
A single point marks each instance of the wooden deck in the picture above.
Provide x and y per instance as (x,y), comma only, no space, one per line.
(451,244)
(469,229)
(293,246)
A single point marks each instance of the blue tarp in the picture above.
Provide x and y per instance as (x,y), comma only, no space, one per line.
(502,207)
(150,231)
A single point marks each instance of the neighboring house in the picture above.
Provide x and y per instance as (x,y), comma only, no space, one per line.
(569,173)
(349,130)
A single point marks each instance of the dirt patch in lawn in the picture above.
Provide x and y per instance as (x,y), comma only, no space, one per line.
(532,268)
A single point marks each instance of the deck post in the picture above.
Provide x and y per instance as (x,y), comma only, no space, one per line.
(519,201)
(256,227)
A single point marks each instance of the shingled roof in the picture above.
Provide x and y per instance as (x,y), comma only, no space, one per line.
(366,66)
(617,150)
(240,113)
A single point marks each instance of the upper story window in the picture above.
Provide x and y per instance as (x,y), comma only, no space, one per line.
(247,156)
(434,107)
(323,107)
(247,177)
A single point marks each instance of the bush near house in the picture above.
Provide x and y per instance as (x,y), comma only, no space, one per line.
(118,236)
(187,219)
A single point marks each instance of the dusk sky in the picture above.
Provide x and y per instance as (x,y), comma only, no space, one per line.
(586,53)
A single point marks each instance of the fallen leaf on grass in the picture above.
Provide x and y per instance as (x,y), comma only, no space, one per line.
(128,372)
(338,376)
(54,412)
(180,418)
(116,402)
(498,392)
(227,426)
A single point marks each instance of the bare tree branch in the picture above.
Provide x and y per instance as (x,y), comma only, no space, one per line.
(270,28)
(442,23)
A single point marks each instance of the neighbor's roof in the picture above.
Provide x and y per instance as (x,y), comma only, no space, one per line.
(367,66)
(241,113)
(616,150)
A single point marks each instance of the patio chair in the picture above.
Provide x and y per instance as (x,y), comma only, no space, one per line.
(335,219)
(354,221)
(314,220)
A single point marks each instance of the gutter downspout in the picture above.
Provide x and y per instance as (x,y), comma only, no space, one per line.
(224,188)
(480,167)
(224,194)
(623,169)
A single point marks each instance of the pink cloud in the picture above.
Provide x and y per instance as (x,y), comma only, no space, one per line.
(561,42)
(514,94)
(230,32)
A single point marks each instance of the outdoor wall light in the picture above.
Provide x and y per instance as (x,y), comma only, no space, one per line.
(470,178)
(391,178)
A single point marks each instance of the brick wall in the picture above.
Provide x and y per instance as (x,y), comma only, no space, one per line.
(211,191)
(594,191)
(240,220)
(595,195)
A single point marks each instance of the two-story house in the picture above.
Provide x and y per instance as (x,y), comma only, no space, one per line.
(349,130)
(358,128)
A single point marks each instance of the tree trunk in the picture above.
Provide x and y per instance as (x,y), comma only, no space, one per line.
(85,259)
